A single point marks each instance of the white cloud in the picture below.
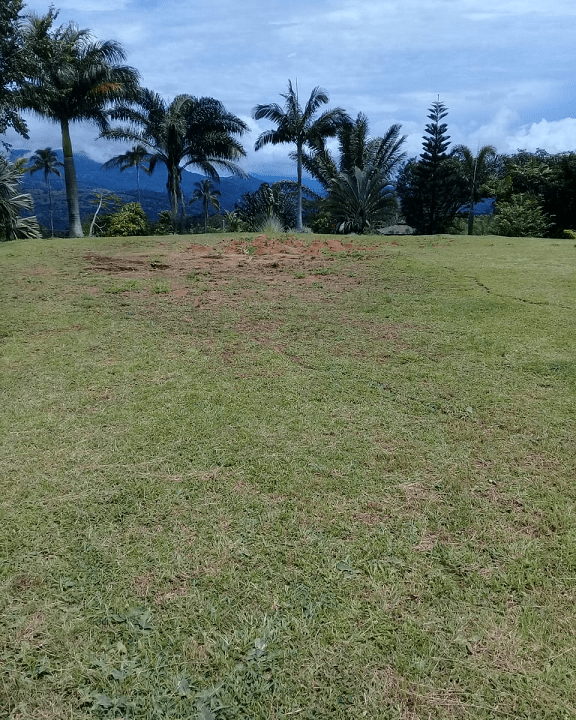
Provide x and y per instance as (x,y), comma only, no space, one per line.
(552,136)
(504,68)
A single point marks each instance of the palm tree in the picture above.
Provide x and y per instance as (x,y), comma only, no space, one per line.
(359,198)
(188,131)
(477,169)
(12,202)
(297,126)
(136,157)
(47,161)
(357,150)
(75,78)
(205,192)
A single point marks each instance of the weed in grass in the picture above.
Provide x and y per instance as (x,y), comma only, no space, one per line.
(160,287)
(128,286)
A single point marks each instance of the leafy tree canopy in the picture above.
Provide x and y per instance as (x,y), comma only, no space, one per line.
(13,65)
(188,131)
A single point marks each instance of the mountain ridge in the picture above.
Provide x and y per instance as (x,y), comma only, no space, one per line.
(92,177)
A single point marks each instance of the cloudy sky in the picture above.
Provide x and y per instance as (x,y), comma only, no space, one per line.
(504,68)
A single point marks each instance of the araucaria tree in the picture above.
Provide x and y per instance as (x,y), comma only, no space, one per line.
(300,127)
(72,77)
(188,131)
(433,188)
(46,161)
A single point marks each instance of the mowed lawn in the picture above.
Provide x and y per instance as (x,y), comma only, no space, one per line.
(337,488)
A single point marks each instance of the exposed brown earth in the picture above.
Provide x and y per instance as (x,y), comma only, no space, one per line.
(205,275)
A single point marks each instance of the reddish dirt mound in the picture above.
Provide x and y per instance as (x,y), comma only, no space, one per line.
(282,247)
(220,275)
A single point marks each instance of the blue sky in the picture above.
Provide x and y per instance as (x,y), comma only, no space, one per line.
(504,68)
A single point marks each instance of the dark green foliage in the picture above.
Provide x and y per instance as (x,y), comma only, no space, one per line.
(12,64)
(13,202)
(278,201)
(358,199)
(478,170)
(357,149)
(549,180)
(165,225)
(433,188)
(356,182)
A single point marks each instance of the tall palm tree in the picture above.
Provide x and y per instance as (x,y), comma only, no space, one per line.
(47,161)
(477,169)
(136,157)
(75,78)
(298,126)
(204,191)
(188,131)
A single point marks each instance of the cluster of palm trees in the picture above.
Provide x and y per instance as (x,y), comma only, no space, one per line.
(76,78)
(73,77)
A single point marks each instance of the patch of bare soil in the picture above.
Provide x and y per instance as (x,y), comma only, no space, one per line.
(206,274)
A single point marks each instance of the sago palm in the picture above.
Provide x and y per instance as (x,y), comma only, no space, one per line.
(359,199)
(204,192)
(46,160)
(134,158)
(188,131)
(75,78)
(297,125)
(13,202)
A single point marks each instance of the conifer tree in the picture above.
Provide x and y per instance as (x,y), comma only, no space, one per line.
(433,188)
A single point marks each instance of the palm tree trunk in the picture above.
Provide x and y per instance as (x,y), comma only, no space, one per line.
(173,198)
(471,216)
(138,182)
(182,204)
(50,201)
(299,197)
(74,222)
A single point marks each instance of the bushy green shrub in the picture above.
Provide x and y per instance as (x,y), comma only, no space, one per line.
(521,216)
(129,220)
(570,234)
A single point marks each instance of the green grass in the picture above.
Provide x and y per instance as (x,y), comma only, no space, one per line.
(351,498)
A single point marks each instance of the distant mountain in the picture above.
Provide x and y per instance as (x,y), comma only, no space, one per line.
(92,177)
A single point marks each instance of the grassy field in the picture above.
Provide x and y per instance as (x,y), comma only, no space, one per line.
(338,487)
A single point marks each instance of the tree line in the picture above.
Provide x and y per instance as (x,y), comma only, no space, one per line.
(63,74)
